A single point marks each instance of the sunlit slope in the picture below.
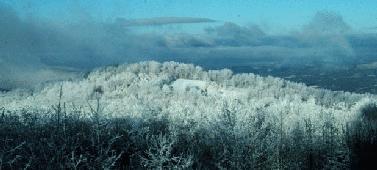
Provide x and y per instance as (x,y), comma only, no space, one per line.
(186,93)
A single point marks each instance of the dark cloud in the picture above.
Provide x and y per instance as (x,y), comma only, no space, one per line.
(32,49)
(325,22)
(325,39)
(162,21)
(231,34)
(327,30)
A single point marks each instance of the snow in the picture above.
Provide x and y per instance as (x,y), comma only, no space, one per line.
(183,91)
(182,85)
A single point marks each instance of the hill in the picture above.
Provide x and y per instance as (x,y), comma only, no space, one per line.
(208,118)
(185,91)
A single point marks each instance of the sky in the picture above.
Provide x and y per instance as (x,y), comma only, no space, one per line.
(275,16)
(47,39)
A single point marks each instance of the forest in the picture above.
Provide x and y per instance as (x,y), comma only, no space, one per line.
(170,115)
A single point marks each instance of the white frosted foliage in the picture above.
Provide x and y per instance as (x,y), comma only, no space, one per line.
(184,92)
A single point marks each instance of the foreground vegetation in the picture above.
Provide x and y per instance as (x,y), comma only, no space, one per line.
(58,140)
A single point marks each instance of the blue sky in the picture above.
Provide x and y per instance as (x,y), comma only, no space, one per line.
(288,32)
(274,15)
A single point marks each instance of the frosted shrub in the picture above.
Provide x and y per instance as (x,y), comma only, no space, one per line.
(160,155)
(369,112)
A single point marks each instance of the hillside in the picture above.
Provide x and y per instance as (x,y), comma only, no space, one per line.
(178,116)
(186,92)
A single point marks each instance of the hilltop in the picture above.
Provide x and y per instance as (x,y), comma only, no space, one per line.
(185,91)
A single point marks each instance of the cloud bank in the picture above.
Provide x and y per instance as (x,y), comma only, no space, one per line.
(29,45)
(162,21)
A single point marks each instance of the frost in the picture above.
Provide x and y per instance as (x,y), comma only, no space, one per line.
(185,92)
(182,85)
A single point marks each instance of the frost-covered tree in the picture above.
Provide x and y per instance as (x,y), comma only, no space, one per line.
(246,120)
